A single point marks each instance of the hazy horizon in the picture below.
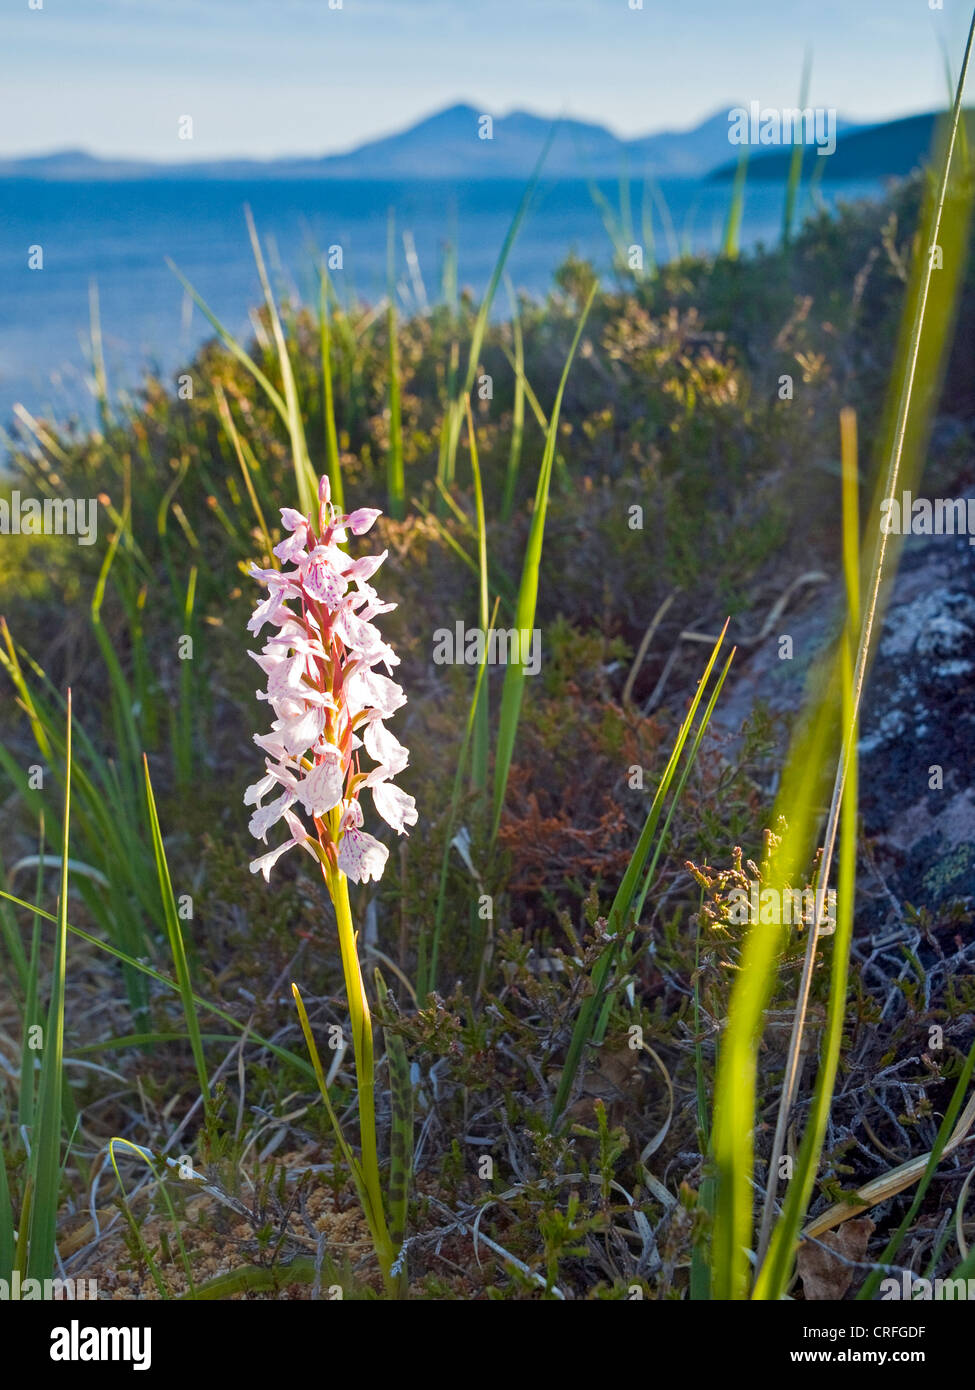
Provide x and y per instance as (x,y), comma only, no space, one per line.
(113,77)
(461,103)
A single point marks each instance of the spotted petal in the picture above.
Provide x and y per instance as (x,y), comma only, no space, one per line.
(361,856)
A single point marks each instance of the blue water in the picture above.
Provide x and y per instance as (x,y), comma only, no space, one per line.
(118,235)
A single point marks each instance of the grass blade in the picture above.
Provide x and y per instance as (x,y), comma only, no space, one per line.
(731,243)
(401,1131)
(45,1175)
(455,412)
(395,484)
(518,410)
(333,464)
(619,913)
(305,479)
(798,154)
(479,755)
(774,1275)
(178,951)
(426,976)
(232,345)
(514,679)
(141,967)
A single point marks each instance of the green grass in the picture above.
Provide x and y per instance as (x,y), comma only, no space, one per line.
(794,181)
(43,1184)
(512,692)
(395,483)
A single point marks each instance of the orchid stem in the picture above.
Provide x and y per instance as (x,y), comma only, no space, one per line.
(361,1020)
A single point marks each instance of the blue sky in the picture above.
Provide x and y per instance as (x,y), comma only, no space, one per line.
(266,77)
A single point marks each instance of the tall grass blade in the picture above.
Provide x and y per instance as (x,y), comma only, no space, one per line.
(305,478)
(776,1271)
(648,879)
(480,752)
(7,1240)
(178,951)
(731,243)
(518,409)
(401,1130)
(99,373)
(798,154)
(187,703)
(232,345)
(239,449)
(45,1169)
(428,959)
(455,413)
(28,1054)
(514,680)
(333,464)
(395,485)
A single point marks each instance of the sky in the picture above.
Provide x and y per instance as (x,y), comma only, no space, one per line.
(277,77)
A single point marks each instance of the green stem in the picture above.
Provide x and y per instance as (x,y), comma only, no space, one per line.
(361,1020)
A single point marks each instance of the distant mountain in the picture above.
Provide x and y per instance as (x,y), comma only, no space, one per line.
(449,145)
(45,163)
(683,153)
(892,149)
(445,145)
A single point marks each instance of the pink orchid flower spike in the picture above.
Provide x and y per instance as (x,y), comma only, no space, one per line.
(329,700)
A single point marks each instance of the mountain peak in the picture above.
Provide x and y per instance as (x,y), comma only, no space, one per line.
(447,144)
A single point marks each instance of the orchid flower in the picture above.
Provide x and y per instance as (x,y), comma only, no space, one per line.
(328,699)
(329,704)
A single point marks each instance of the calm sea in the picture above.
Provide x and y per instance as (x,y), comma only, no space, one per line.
(118,234)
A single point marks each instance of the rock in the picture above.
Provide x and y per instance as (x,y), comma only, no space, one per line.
(917,744)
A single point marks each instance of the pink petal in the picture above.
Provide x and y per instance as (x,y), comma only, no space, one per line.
(360,521)
(266,862)
(361,856)
(266,816)
(365,567)
(272,743)
(367,688)
(321,576)
(292,548)
(257,790)
(322,789)
(396,807)
(383,747)
(269,610)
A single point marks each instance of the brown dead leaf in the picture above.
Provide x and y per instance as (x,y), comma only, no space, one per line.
(824,1277)
(617,1080)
